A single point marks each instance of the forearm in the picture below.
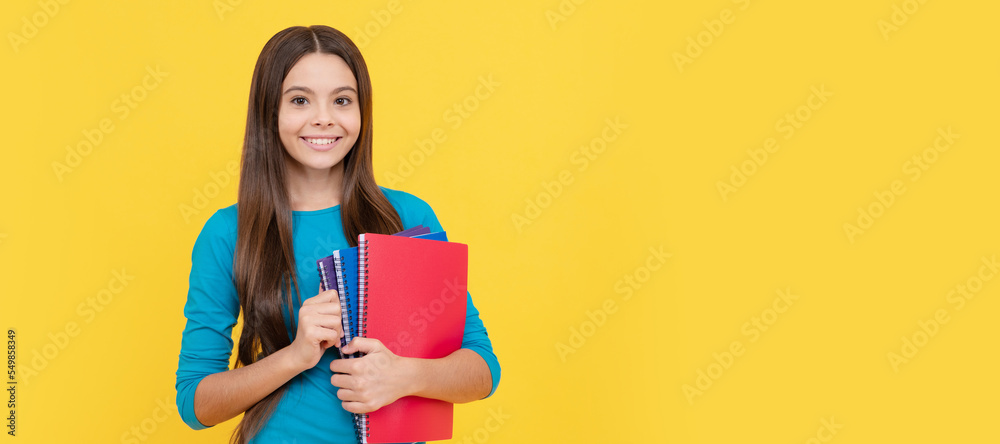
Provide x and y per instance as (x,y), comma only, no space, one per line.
(224,395)
(462,376)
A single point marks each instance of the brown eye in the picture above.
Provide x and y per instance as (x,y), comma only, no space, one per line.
(299,98)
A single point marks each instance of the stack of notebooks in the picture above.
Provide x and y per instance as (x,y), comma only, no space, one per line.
(407,290)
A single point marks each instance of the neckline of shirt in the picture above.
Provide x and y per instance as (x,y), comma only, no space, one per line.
(316,212)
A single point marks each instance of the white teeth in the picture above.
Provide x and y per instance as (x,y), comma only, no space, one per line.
(321,141)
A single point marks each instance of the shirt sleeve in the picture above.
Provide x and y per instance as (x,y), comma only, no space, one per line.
(476,337)
(211,310)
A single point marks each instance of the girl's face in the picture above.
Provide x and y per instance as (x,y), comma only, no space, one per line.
(319,117)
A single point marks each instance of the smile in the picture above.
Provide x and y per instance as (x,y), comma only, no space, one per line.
(321,144)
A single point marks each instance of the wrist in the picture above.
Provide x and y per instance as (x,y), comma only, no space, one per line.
(290,361)
(413,379)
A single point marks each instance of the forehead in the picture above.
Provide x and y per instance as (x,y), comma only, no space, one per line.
(320,72)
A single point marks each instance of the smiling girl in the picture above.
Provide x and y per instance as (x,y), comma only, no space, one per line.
(306,177)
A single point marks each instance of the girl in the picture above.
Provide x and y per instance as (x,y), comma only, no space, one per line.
(306,180)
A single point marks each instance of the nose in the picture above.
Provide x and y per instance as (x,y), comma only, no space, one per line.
(323,118)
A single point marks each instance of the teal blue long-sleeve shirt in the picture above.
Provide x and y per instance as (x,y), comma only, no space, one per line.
(309,411)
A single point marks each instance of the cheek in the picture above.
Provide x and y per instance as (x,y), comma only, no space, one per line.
(353,122)
(288,128)
(284,122)
(350,119)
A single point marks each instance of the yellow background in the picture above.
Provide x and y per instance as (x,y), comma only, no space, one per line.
(563,70)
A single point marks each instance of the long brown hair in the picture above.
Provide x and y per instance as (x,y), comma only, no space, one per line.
(264,263)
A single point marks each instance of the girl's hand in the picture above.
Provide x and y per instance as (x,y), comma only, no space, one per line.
(319,328)
(371,381)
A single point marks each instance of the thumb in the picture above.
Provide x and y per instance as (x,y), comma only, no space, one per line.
(363,345)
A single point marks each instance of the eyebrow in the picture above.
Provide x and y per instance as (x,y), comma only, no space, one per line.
(307,90)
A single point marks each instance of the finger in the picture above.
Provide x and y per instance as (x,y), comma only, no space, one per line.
(349,395)
(364,345)
(325,337)
(342,381)
(330,321)
(332,308)
(356,407)
(345,367)
(323,296)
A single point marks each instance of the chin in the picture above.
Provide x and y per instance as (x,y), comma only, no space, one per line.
(324,164)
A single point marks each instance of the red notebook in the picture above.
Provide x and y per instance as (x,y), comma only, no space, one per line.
(412,297)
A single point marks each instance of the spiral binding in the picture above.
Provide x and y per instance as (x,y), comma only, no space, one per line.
(323,277)
(363,296)
(364,425)
(350,318)
(345,309)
